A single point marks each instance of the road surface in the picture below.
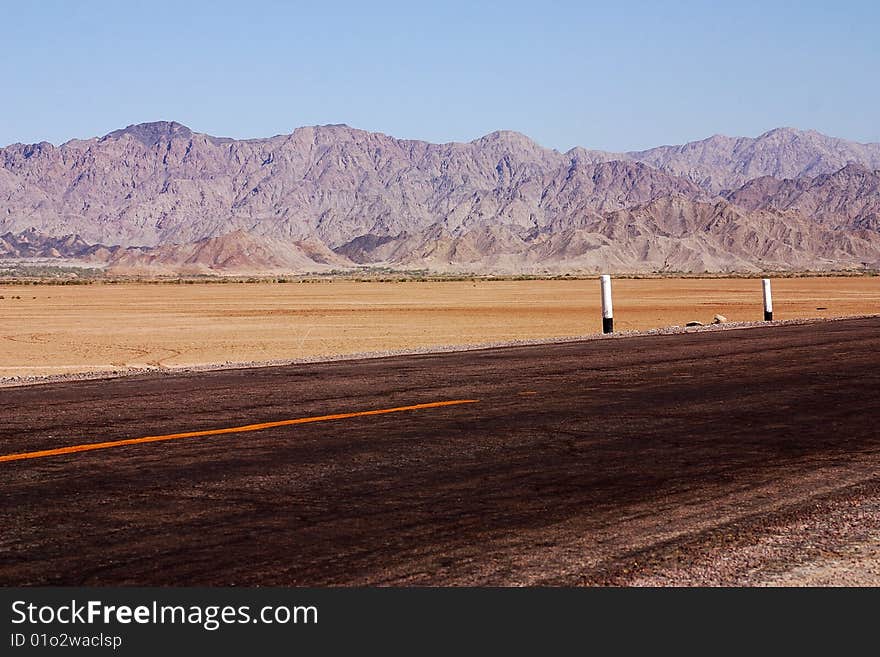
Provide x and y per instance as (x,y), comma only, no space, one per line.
(598,462)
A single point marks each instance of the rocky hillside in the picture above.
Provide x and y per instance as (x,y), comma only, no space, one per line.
(849,198)
(161,183)
(165,198)
(237,252)
(725,163)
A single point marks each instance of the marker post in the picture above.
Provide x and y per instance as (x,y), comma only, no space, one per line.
(768,300)
(607,312)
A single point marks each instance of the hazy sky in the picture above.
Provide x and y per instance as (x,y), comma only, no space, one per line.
(611,75)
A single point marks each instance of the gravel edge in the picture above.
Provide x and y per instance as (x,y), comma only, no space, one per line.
(830,541)
(20,381)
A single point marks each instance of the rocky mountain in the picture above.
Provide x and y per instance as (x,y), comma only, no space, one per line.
(168,199)
(849,198)
(671,234)
(161,183)
(725,163)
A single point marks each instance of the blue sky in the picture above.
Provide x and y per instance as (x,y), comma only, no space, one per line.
(609,75)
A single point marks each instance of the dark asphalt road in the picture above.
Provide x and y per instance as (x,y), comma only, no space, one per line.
(581,463)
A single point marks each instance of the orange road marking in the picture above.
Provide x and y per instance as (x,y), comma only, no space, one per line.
(216,432)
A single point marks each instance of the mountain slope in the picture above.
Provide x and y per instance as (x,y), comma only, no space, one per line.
(849,198)
(667,234)
(236,252)
(725,163)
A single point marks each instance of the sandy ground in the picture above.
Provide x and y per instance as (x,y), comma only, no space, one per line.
(51,330)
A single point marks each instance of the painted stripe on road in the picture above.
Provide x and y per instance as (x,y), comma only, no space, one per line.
(216,432)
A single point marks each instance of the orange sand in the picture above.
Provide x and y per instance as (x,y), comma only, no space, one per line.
(69,329)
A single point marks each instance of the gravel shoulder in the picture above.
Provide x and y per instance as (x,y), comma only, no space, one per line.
(829,541)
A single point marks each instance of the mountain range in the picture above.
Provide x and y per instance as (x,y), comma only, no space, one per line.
(158,198)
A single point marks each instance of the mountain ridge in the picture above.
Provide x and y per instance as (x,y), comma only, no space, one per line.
(177,126)
(500,202)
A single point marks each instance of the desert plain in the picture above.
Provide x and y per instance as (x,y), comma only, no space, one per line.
(70,329)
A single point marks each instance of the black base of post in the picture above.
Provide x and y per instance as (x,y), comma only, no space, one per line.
(607,325)
(768,317)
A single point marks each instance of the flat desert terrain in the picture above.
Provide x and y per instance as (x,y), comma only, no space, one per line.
(52,329)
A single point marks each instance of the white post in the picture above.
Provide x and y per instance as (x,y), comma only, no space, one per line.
(607,312)
(768,300)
